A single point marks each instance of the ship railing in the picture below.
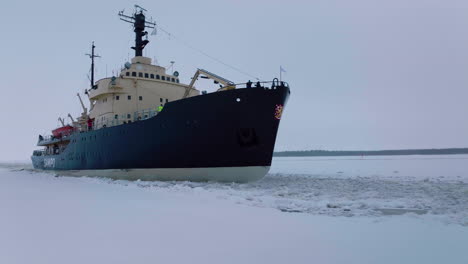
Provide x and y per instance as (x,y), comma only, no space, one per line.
(39,152)
(263,84)
(50,150)
(126,118)
(52,138)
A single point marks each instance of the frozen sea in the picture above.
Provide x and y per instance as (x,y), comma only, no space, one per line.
(383,209)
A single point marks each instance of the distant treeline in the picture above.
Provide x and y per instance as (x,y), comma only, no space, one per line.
(303,153)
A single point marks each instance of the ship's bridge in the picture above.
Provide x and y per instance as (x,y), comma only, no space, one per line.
(140,69)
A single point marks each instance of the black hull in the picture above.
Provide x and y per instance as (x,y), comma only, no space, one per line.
(213,130)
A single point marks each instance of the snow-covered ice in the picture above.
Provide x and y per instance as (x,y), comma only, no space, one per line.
(406,209)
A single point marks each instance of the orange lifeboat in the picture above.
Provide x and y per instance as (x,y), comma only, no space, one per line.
(62,131)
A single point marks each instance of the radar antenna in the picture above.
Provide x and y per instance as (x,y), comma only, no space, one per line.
(137,7)
(139,22)
(92,56)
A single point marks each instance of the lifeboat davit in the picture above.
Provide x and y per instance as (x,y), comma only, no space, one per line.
(62,131)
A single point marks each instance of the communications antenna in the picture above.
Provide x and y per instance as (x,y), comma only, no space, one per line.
(138,20)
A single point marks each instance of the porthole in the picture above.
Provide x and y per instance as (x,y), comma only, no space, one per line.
(238,99)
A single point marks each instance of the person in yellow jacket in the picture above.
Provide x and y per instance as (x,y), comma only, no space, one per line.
(160,108)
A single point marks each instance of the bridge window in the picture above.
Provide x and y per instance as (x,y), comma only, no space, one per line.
(172,80)
(141,98)
(167,100)
(116,116)
(177,80)
(128,116)
(157,76)
(129,97)
(160,100)
(127,73)
(140,74)
(152,76)
(146,75)
(117,97)
(163,78)
(134,74)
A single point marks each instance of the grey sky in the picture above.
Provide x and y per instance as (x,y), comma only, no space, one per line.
(365,74)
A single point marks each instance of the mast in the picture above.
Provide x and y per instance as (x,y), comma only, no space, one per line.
(92,56)
(139,22)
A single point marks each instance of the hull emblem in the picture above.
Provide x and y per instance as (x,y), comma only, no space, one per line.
(278,111)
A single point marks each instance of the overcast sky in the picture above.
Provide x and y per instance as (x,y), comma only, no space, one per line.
(364,74)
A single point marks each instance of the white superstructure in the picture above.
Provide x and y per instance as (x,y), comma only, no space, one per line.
(140,88)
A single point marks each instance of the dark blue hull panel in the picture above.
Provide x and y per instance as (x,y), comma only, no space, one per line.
(213,130)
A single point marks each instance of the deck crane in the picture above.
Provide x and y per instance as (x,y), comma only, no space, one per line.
(61,121)
(83,119)
(85,111)
(71,118)
(225,83)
